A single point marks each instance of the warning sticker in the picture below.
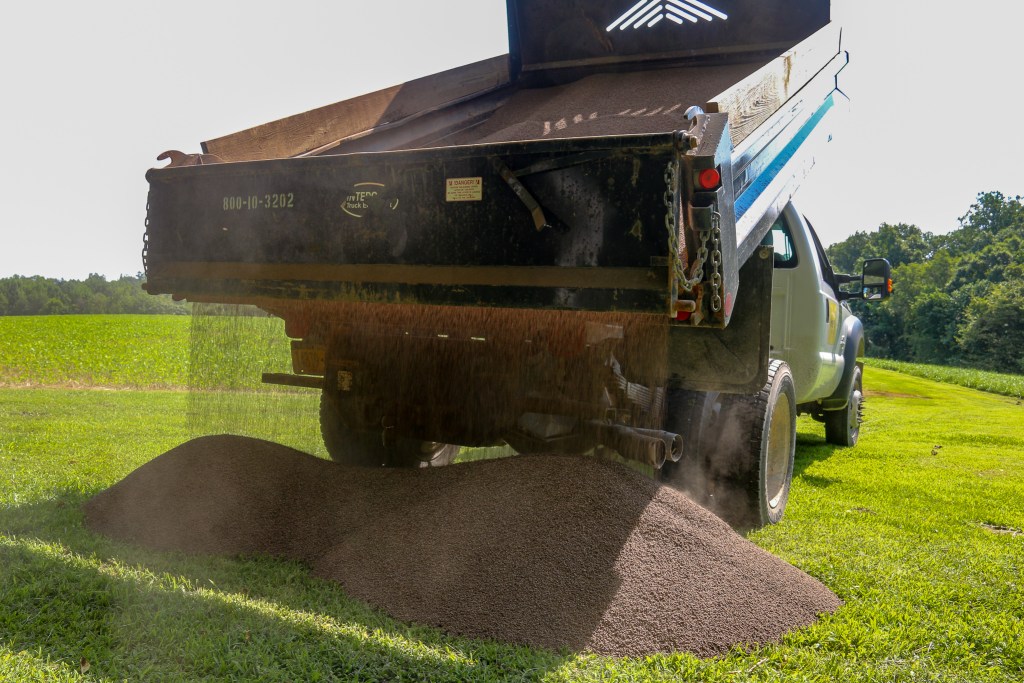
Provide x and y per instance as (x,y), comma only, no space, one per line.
(833,322)
(464,189)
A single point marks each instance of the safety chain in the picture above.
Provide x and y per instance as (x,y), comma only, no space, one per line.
(145,244)
(686,283)
(697,272)
(670,226)
(716,261)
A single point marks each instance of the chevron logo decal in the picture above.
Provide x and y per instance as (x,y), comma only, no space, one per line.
(647,13)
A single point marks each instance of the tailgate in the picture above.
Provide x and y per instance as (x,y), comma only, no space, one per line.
(566,224)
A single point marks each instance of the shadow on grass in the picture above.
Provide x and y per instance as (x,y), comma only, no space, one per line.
(811,449)
(68,594)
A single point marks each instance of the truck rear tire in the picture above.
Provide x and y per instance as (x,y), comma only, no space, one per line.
(754,457)
(694,415)
(367,449)
(842,427)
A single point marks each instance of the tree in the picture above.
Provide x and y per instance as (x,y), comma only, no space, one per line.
(884,336)
(44,296)
(55,306)
(900,243)
(991,216)
(931,328)
(956,294)
(846,256)
(992,337)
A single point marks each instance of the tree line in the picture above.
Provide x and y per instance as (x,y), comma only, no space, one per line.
(958,298)
(38,295)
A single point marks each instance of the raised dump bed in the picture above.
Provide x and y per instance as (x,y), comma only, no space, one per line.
(562,176)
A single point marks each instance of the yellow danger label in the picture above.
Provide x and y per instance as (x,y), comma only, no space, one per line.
(833,322)
(464,189)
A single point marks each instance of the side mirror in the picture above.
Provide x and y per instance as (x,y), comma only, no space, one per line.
(876,279)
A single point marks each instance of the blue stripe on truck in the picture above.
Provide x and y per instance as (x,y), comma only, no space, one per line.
(757,188)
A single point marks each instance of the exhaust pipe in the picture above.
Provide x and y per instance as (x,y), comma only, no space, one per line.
(648,446)
(673,442)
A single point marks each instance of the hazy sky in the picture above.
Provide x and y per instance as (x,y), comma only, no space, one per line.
(93,91)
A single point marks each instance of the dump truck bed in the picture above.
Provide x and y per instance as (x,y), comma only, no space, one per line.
(541,180)
(641,102)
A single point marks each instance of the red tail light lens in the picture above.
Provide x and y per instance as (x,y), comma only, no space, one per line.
(709,178)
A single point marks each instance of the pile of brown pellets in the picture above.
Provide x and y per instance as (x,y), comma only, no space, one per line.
(549,551)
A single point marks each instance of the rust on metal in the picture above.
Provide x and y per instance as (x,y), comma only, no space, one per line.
(178,158)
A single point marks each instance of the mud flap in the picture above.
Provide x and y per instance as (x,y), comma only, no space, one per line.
(733,359)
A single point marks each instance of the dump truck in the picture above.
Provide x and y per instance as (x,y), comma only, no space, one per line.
(585,245)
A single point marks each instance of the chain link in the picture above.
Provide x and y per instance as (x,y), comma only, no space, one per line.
(670,222)
(716,261)
(697,272)
(145,244)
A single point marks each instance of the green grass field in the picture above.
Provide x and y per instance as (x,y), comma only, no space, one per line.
(924,544)
(140,351)
(995,382)
(95,350)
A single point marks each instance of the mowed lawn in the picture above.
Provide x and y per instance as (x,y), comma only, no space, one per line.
(918,529)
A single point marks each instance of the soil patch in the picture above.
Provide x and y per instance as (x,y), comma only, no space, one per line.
(1002,529)
(870,393)
(549,551)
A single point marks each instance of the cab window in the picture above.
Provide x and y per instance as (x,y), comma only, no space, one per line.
(779,238)
(827,274)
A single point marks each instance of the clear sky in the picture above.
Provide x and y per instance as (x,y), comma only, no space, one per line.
(93,91)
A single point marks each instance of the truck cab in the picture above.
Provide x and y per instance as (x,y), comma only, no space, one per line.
(807,314)
(813,329)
